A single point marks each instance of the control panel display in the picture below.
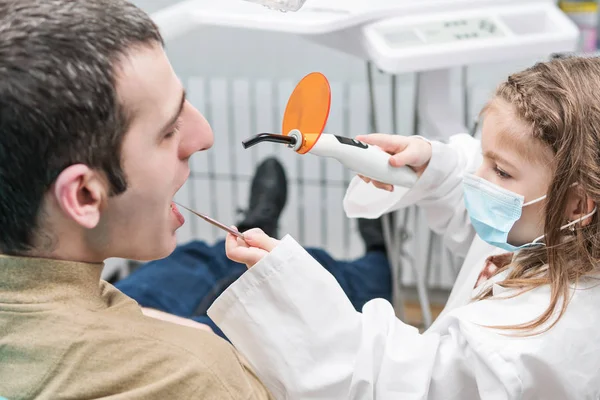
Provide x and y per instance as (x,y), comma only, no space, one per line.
(455,30)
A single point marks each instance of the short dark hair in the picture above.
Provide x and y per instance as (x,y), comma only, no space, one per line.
(58,99)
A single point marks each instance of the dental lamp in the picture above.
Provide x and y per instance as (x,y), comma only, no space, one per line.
(281,5)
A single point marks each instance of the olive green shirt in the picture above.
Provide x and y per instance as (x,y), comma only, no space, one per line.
(65,333)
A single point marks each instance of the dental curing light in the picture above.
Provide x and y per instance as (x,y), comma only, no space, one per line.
(304,120)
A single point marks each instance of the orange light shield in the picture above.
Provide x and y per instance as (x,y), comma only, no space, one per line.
(307,109)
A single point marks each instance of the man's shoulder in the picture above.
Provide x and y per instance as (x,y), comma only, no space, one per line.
(117,348)
(197,359)
(125,320)
(168,360)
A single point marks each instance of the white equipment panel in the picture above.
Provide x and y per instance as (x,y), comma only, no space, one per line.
(397,35)
(443,40)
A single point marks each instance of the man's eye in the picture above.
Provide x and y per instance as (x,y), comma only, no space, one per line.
(174,131)
(170,134)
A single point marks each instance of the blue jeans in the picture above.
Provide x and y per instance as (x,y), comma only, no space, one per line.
(195,274)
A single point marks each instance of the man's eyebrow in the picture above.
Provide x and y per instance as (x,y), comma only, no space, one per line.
(176,115)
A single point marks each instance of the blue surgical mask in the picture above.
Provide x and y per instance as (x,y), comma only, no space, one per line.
(494,210)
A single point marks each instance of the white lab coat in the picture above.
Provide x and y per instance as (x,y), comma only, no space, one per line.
(295,325)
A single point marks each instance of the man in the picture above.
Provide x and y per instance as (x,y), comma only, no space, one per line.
(187,282)
(95,139)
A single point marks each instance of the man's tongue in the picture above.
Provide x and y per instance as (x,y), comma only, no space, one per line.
(175,211)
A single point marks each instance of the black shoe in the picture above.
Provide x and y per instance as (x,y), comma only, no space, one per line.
(268,195)
(371,232)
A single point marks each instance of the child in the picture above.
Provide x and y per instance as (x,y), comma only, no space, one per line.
(521,320)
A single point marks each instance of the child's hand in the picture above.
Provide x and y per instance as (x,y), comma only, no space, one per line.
(413,152)
(256,246)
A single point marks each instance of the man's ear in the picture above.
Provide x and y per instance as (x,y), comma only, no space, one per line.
(80,193)
(579,205)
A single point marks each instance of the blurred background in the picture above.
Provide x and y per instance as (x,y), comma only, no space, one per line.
(240,79)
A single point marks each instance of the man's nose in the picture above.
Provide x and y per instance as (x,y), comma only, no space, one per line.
(197,135)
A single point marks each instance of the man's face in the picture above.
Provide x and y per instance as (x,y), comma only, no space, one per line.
(165,131)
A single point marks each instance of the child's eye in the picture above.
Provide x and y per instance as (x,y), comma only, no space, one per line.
(501,174)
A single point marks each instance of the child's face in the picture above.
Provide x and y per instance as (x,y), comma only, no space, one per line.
(516,161)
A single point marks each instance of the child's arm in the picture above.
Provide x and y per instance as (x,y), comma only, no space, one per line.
(295,325)
(438,191)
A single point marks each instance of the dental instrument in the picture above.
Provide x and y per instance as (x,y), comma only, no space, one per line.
(214,222)
(304,120)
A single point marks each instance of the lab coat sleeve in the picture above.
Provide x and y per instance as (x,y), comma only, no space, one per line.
(289,317)
(438,191)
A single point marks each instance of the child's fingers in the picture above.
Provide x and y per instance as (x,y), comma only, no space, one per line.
(383,186)
(364,178)
(257,238)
